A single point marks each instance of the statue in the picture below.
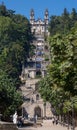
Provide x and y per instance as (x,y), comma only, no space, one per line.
(15,118)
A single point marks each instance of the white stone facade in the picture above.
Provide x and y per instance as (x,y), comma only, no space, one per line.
(39,27)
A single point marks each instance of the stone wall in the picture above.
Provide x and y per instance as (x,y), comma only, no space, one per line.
(7,126)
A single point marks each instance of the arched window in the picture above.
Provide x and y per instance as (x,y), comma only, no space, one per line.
(37,97)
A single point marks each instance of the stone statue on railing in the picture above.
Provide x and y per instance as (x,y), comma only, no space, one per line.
(15,116)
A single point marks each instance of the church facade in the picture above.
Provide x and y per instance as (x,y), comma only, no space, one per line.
(39,27)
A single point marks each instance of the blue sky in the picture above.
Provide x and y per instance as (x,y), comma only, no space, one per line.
(55,7)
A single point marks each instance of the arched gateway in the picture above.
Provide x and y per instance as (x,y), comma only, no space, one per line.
(37,111)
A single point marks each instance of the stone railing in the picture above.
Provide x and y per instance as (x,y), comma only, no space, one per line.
(7,126)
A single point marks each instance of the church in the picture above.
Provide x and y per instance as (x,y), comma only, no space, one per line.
(35,69)
(39,27)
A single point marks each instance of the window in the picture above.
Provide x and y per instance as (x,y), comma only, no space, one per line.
(37,97)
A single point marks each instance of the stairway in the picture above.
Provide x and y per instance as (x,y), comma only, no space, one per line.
(47,123)
(35,69)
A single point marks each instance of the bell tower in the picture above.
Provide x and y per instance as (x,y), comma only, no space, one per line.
(46,16)
(32,19)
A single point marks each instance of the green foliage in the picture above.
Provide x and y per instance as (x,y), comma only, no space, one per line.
(10,99)
(45,89)
(62,24)
(15,48)
(63,68)
(60,84)
(5,12)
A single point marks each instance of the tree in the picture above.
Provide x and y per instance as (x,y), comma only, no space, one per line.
(55,25)
(15,48)
(15,44)
(10,99)
(3,10)
(74,15)
(63,57)
(62,24)
(60,85)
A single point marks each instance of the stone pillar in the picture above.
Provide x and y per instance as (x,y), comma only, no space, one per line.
(42,73)
(32,74)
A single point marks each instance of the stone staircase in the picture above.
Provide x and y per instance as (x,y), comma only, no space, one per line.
(29,92)
(47,123)
(34,70)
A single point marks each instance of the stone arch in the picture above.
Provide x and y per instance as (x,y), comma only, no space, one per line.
(38,73)
(37,111)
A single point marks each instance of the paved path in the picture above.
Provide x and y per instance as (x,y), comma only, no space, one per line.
(47,125)
(45,128)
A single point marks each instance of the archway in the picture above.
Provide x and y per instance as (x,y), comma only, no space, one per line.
(38,73)
(37,111)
